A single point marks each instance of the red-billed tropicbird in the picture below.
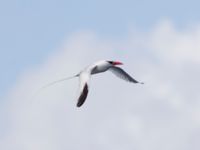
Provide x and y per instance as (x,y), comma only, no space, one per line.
(98,67)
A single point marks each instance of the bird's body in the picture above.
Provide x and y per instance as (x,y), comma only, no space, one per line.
(84,78)
(98,67)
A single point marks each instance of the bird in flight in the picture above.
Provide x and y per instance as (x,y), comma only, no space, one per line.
(98,67)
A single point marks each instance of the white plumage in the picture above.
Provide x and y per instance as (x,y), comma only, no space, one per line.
(98,67)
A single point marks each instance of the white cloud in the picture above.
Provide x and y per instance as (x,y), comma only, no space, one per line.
(174,45)
(162,114)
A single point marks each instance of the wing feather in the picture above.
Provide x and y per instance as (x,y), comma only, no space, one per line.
(122,74)
(83,88)
(83,96)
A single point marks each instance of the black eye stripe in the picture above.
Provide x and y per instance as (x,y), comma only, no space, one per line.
(111,62)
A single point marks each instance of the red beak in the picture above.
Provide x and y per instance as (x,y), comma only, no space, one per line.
(117,63)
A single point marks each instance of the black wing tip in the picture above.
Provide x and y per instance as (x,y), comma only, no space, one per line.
(136,82)
(140,82)
(83,96)
(78,105)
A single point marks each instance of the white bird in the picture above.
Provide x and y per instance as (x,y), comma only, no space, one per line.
(98,67)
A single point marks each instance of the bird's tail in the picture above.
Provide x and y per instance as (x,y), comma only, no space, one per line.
(57,81)
(54,82)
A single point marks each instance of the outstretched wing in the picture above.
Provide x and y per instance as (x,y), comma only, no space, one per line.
(83,88)
(122,74)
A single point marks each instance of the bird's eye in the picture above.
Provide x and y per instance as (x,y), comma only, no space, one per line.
(110,62)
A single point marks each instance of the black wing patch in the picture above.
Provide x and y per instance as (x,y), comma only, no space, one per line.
(122,74)
(83,96)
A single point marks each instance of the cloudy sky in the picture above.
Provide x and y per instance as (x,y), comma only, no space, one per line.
(159,44)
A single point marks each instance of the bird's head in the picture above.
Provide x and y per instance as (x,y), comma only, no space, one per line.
(114,63)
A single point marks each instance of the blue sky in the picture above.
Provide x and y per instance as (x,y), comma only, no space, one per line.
(158,42)
(30,30)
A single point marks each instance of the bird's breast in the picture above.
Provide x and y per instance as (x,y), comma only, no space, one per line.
(99,69)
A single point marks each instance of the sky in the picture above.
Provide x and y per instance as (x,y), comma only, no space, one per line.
(158,42)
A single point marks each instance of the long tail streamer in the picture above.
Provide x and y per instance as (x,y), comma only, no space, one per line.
(52,83)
